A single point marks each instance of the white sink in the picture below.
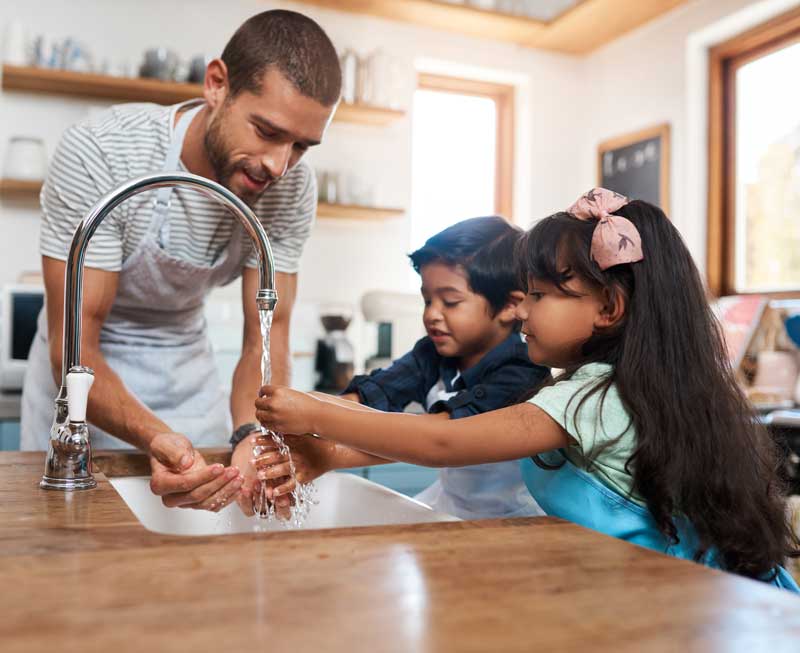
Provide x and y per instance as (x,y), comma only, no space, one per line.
(343,500)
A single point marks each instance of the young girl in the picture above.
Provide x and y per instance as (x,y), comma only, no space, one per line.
(644,436)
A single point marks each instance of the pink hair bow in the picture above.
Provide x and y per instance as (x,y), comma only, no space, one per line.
(615,240)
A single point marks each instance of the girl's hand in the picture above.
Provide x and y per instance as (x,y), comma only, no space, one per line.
(286,411)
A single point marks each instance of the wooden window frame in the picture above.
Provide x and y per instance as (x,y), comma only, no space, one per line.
(503,96)
(724,60)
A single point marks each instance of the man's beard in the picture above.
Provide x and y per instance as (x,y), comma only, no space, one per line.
(223,167)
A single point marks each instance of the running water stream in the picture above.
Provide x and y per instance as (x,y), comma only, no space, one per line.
(303,495)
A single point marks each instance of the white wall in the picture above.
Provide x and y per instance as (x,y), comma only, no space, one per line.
(121,30)
(658,74)
(343,258)
(565,107)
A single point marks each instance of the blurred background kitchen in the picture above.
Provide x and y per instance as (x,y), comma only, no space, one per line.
(453,109)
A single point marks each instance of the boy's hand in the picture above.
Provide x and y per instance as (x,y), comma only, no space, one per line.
(287,411)
(312,457)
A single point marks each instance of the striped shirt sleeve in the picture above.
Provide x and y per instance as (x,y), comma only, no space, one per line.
(289,224)
(78,176)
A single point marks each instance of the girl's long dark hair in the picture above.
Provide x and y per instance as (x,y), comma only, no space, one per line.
(700,451)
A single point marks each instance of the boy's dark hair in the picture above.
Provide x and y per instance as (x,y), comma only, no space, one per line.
(294,44)
(700,451)
(484,247)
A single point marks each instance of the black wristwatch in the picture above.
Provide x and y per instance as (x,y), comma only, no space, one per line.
(242,432)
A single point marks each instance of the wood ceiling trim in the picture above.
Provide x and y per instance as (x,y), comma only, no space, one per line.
(595,23)
(579,30)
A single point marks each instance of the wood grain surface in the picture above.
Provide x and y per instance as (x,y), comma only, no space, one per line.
(81,574)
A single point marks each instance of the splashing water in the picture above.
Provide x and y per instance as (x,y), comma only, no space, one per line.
(303,494)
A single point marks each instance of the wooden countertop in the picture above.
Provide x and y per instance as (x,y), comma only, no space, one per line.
(81,574)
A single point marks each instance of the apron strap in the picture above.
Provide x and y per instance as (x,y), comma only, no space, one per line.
(171,163)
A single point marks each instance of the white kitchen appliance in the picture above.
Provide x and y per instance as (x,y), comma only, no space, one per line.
(395,319)
(20,305)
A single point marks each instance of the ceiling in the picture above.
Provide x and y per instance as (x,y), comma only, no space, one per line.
(570,26)
(544,10)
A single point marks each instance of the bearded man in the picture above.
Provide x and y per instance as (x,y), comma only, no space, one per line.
(154,259)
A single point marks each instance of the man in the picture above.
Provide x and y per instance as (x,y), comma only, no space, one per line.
(149,266)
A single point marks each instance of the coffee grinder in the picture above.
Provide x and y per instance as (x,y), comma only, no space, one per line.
(335,354)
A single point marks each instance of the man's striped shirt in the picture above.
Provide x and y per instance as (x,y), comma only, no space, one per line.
(129,140)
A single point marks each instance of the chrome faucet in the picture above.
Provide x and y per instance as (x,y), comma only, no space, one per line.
(69,457)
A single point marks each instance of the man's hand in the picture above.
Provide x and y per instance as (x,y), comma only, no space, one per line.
(181,477)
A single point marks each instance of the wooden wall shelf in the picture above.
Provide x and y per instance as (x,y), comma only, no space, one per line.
(586,26)
(122,89)
(20,188)
(356,212)
(90,85)
(365,114)
(30,190)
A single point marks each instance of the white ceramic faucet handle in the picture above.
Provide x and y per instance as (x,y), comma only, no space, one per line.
(79,381)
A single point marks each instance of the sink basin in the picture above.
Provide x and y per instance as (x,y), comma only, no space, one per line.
(342,500)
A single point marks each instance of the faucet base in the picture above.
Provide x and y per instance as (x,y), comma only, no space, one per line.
(68,465)
(67,484)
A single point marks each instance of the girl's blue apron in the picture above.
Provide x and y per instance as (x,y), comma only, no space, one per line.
(572,494)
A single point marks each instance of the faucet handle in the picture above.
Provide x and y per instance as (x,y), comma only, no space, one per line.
(79,381)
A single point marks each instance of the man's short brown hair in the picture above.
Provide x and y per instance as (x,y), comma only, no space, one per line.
(291,42)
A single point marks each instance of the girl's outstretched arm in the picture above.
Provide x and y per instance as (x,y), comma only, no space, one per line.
(346,456)
(506,434)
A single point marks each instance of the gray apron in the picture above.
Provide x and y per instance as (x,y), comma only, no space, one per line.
(155,336)
(487,491)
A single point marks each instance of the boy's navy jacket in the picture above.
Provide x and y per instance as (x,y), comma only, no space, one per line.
(499,379)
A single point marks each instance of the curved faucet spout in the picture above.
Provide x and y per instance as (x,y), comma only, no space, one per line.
(59,471)
(73,283)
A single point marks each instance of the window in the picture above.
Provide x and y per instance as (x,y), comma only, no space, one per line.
(754,176)
(462,153)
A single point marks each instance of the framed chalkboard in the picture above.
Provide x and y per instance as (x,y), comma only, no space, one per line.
(637,165)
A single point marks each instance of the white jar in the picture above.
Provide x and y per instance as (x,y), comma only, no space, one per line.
(25,159)
(15,44)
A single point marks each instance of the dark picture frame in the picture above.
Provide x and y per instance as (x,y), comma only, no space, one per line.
(637,165)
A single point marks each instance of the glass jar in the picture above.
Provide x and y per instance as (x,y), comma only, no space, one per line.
(349,65)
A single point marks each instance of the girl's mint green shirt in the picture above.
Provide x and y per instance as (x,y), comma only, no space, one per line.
(601,429)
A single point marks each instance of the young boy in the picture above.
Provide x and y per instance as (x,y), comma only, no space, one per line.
(471,361)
